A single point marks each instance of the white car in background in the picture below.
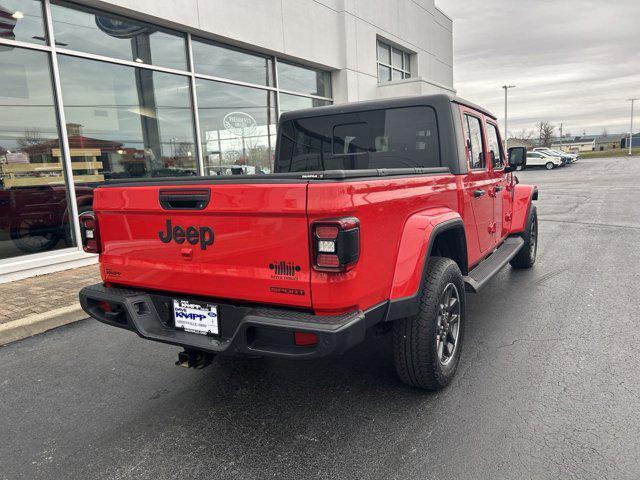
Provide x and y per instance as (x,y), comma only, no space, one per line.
(543,159)
(571,157)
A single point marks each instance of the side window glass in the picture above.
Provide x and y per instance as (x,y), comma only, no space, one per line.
(351,138)
(405,137)
(473,140)
(495,149)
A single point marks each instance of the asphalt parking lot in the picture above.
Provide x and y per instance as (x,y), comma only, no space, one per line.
(548,385)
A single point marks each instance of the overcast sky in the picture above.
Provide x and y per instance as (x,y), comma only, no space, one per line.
(573,61)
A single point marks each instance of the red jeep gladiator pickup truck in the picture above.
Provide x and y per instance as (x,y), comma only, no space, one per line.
(378,213)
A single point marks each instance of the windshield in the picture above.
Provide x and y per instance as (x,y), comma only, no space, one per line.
(391,138)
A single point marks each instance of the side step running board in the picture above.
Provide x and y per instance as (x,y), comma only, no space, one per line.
(482,273)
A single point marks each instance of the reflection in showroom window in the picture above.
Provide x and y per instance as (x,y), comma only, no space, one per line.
(33,196)
(126,122)
(295,102)
(89,30)
(238,128)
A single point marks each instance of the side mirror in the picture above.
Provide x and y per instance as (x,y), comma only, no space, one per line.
(517,158)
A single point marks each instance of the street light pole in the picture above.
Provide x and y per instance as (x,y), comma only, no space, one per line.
(632,100)
(506,134)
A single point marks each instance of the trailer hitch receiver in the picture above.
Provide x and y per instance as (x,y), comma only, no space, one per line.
(194,359)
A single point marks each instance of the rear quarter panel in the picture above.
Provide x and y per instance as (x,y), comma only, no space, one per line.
(383,207)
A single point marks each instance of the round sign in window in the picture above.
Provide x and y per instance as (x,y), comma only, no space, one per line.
(240,124)
(119,28)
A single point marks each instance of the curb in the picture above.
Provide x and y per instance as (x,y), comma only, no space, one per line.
(39,323)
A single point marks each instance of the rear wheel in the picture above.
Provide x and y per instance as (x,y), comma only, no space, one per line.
(526,257)
(35,234)
(427,345)
(550,166)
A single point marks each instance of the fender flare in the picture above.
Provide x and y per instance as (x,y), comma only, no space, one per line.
(523,196)
(419,233)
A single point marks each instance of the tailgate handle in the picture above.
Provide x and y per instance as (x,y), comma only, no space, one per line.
(191,199)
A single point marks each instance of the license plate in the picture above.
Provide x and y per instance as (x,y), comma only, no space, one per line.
(196,318)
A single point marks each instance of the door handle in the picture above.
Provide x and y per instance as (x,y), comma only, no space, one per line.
(478,193)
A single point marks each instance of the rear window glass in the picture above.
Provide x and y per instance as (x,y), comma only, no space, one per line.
(392,138)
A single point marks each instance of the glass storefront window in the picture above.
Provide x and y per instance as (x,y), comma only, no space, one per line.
(211,58)
(237,127)
(295,102)
(22,20)
(88,30)
(123,119)
(33,196)
(305,80)
(125,122)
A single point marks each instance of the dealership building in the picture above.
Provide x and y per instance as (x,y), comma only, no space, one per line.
(95,91)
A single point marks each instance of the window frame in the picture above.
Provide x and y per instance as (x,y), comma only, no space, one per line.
(500,146)
(404,70)
(471,113)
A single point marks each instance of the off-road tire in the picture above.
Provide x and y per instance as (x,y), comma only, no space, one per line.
(414,338)
(37,240)
(526,257)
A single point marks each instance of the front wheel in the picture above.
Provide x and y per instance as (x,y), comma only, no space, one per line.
(526,257)
(427,345)
(550,166)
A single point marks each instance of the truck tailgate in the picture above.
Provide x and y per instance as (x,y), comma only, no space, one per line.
(249,243)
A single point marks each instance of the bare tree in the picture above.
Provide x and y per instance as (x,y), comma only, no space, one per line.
(545,132)
(605,132)
(524,134)
(31,138)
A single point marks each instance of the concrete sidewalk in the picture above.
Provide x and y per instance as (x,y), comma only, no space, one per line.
(38,304)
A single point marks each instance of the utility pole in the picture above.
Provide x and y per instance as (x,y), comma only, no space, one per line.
(561,136)
(506,133)
(632,100)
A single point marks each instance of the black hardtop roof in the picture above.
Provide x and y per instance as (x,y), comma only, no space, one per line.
(436,100)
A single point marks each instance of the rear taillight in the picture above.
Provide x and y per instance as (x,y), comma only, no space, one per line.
(90,233)
(336,244)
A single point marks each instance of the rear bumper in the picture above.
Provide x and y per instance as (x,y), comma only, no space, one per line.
(244,330)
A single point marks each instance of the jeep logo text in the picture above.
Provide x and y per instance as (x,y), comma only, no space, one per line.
(193,235)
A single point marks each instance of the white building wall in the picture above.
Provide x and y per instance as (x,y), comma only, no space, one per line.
(339,35)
